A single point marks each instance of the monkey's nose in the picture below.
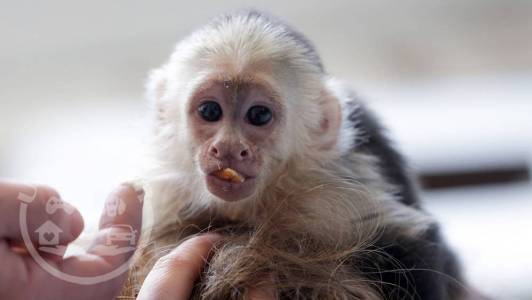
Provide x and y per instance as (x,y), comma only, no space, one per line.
(213,151)
(237,151)
(244,154)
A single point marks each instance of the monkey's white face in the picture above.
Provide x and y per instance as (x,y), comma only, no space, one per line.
(234,123)
(243,97)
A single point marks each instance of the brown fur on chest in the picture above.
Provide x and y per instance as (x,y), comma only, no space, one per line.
(295,263)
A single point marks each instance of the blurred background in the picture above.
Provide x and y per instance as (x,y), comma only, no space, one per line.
(451,79)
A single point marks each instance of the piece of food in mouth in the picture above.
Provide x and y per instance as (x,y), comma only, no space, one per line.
(229,175)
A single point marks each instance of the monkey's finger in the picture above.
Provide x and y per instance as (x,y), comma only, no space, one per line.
(38,212)
(174,275)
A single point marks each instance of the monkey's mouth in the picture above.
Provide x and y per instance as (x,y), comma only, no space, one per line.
(230,175)
(229,184)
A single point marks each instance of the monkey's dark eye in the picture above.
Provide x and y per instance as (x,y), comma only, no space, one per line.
(259,115)
(210,111)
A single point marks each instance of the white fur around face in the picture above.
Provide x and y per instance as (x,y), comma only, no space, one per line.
(247,47)
(238,47)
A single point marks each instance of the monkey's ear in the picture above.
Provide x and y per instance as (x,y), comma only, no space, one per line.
(156,88)
(156,84)
(331,118)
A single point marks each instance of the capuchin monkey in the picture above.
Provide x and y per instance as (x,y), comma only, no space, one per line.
(254,140)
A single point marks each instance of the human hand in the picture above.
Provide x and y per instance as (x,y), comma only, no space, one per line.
(23,278)
(174,275)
